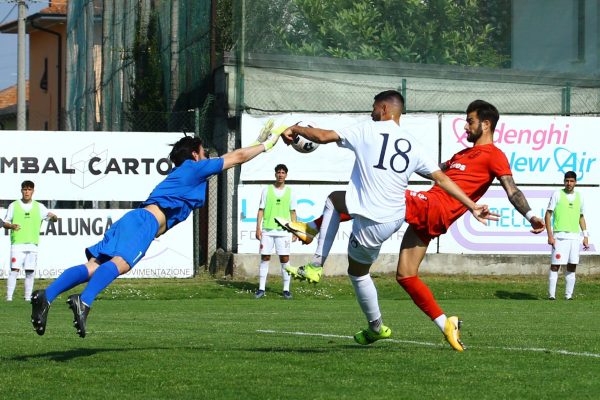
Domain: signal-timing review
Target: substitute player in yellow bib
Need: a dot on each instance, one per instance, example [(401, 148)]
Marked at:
[(564, 218), (24, 218), (276, 201)]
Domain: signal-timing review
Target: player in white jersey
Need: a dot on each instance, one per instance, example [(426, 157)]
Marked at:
[(385, 158)]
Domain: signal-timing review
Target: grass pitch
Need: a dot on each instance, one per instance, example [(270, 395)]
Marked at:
[(210, 339)]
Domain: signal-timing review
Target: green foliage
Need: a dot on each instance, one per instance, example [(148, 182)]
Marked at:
[(418, 31), (224, 26), (147, 106)]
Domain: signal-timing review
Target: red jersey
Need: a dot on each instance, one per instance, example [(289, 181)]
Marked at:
[(473, 169)]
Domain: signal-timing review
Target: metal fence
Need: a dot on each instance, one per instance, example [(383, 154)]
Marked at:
[(136, 64)]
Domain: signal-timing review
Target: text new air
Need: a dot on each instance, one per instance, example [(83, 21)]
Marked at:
[(561, 160)]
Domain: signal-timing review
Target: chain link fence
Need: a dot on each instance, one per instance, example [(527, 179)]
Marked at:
[(326, 89)]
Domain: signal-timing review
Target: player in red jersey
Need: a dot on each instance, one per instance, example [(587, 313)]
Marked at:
[(430, 213)]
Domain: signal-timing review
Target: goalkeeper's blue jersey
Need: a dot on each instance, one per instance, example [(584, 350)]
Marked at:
[(184, 189)]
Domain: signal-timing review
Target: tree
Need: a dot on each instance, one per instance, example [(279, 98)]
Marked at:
[(450, 32), (147, 107)]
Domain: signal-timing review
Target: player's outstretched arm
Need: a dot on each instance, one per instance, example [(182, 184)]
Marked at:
[(480, 212), (240, 156), (443, 166), (316, 135), (518, 200)]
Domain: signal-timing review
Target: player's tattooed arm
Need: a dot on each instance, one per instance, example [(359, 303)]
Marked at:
[(518, 200), (515, 196)]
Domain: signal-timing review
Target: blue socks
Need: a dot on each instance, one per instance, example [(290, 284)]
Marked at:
[(104, 275), (68, 279)]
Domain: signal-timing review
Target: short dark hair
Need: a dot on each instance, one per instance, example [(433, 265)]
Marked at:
[(27, 185), (281, 167), (571, 174), (182, 150), (485, 111), (390, 95)]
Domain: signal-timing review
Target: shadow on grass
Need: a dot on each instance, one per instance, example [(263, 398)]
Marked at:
[(238, 285), (62, 356), (506, 295), (289, 350), (247, 287)]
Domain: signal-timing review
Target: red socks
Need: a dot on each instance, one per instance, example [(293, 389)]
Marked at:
[(421, 295)]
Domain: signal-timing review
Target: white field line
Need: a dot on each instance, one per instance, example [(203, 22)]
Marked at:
[(522, 349)]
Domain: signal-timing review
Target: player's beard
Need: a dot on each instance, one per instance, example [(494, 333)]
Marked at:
[(473, 137)]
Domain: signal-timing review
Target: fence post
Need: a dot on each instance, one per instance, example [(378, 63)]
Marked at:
[(197, 254), (566, 99), (403, 92)]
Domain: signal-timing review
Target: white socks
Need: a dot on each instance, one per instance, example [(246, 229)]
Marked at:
[(552, 279), (11, 283), (263, 271), (285, 277), (366, 294), (441, 322), (327, 233), (29, 277), (569, 284)]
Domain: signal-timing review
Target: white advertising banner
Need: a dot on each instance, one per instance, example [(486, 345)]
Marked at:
[(328, 163), (510, 235), (63, 243), (539, 149), (311, 199), (84, 165)]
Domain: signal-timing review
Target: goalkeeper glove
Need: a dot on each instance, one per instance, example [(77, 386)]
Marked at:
[(273, 137), (264, 132)]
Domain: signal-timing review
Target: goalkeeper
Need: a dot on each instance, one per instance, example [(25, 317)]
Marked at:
[(126, 241)]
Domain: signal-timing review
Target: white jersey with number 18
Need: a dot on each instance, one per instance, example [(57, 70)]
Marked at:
[(386, 157)]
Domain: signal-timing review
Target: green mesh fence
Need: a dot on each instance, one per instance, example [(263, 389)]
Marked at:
[(534, 57), (138, 65), (142, 65)]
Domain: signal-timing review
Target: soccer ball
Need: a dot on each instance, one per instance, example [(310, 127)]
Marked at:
[(302, 144)]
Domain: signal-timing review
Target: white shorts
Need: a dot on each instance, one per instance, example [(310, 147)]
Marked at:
[(565, 251), (368, 236), (281, 244), (26, 260)]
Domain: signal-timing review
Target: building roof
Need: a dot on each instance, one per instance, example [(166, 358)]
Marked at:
[(8, 99), (45, 18), (55, 8)]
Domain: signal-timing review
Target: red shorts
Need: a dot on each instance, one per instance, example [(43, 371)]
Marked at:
[(426, 215)]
